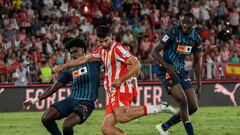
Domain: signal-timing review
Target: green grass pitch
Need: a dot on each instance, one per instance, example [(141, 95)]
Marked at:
[(207, 121)]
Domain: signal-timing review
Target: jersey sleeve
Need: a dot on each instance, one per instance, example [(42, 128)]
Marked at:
[(97, 54), (198, 45), (167, 37), (123, 54), (65, 77)]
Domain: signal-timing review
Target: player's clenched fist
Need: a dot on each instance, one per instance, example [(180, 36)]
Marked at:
[(116, 83), (58, 68), (27, 105)]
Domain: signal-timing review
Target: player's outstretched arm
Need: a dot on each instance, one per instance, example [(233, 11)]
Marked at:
[(159, 58), (134, 65), (76, 62), (198, 70), (48, 92)]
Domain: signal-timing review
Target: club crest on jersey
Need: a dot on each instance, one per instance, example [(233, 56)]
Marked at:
[(165, 38), (184, 49), (80, 72)]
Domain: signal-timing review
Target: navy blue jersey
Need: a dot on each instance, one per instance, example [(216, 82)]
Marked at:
[(178, 46), (85, 80)]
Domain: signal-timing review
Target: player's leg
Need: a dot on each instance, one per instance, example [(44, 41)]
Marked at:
[(57, 111), (48, 120), (123, 112), (109, 122), (181, 99), (177, 87), (69, 123), (190, 94), (82, 109), (108, 126), (192, 100), (192, 107)]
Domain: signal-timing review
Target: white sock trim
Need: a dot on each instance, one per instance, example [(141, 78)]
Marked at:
[(153, 109), (34, 100)]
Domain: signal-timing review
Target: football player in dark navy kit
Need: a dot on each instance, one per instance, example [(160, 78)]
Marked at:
[(78, 106), (178, 42)]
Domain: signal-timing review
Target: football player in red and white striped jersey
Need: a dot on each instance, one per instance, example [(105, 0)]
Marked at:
[(117, 82)]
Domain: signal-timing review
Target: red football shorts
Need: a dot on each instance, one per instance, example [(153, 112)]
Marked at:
[(118, 99)]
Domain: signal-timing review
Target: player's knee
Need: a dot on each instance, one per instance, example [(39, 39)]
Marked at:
[(66, 126), (106, 130), (45, 120), (193, 109), (120, 115)]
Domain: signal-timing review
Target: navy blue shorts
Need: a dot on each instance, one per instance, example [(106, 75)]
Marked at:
[(69, 105), (170, 81)]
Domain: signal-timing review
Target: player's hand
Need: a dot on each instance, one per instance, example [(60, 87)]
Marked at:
[(58, 68), (27, 105), (198, 92), (116, 83)]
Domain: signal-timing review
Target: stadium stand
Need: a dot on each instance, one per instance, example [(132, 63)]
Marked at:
[(33, 31)]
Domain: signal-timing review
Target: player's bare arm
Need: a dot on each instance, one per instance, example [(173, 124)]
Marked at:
[(133, 70), (197, 69), (76, 62), (48, 92), (159, 58)]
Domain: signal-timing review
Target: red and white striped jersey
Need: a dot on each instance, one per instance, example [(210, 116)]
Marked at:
[(114, 61)]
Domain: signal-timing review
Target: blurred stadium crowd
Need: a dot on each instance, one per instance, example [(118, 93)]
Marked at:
[(32, 32)]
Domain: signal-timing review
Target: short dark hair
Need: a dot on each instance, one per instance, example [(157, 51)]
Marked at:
[(189, 18), (75, 42), (103, 31)]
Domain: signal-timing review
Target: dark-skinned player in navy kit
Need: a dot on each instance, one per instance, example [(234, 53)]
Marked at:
[(78, 106), (178, 42)]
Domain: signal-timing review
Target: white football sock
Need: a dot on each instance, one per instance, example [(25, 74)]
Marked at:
[(153, 109)]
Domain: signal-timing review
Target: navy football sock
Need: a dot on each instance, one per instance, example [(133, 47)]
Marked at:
[(68, 132), (189, 128), (172, 121), (53, 128)]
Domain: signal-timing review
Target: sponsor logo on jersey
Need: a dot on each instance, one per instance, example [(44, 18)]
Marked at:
[(184, 49), (79, 72)]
